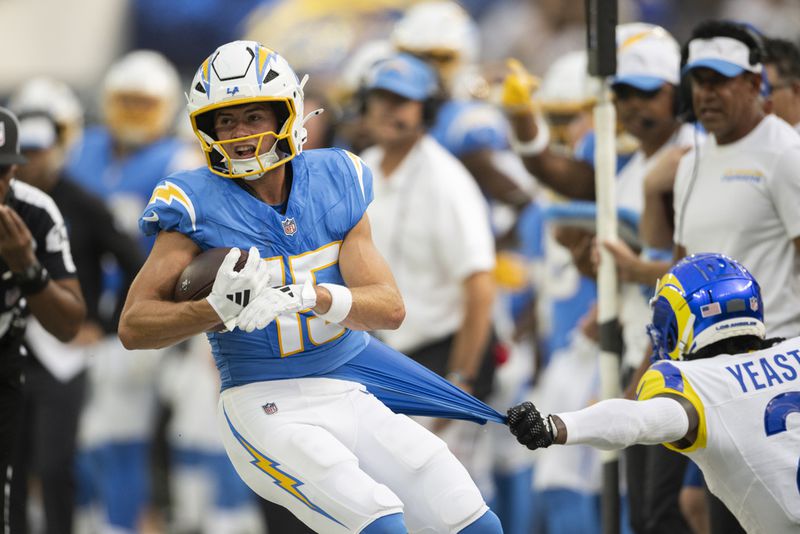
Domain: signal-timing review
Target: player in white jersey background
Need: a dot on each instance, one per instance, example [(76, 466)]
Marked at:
[(728, 406)]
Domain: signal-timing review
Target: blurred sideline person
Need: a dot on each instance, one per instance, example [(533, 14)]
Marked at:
[(442, 34), (351, 132), (431, 224), (782, 66), (44, 93), (121, 161), (728, 407), (206, 494), (55, 371), (749, 159), (645, 89), (38, 280), (298, 422), (565, 481)]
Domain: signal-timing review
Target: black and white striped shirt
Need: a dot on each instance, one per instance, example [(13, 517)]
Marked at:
[(51, 246)]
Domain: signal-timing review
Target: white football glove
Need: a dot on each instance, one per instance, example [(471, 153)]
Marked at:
[(274, 301), (233, 291)]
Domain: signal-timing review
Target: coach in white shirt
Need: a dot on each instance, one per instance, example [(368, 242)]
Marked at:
[(739, 195), (430, 222)]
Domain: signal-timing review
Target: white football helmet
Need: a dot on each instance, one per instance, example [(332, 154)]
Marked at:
[(141, 95), (440, 31), (243, 72), (567, 87), (55, 99)]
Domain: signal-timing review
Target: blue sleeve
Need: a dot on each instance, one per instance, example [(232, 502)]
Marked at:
[(465, 129), (171, 207), (359, 192)]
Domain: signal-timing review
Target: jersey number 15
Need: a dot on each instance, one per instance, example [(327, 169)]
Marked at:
[(292, 326)]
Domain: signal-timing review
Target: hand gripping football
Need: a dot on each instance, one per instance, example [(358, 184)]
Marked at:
[(198, 277)]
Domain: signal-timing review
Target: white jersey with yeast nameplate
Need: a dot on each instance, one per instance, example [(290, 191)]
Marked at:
[(748, 444)]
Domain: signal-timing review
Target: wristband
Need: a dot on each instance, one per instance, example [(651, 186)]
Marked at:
[(32, 280), (535, 146), (341, 302)]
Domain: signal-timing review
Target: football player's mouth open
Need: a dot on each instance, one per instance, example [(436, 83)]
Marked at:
[(244, 150)]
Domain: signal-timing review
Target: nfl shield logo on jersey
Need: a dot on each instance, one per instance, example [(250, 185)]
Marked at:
[(289, 226), (270, 408), (754, 303)]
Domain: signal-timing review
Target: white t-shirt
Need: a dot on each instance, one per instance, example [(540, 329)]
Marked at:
[(634, 313), (745, 203), (748, 439), (431, 223)]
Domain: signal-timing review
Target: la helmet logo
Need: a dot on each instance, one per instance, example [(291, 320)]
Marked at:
[(270, 408), (289, 226), (2, 133)]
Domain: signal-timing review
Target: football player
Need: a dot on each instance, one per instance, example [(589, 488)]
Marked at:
[(722, 395), (298, 423), (443, 34), (121, 161)]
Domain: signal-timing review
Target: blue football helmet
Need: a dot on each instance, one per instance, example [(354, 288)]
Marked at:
[(703, 299)]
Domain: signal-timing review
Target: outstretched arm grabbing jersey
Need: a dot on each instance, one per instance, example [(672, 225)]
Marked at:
[(610, 424), (151, 319)]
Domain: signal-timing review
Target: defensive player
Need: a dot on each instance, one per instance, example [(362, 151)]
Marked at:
[(727, 408), (298, 423)]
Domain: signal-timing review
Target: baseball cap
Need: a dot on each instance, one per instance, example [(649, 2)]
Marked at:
[(403, 75), (725, 55), (37, 132), (9, 139), (647, 57)]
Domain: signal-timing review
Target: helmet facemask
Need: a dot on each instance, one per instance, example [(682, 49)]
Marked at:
[(220, 155)]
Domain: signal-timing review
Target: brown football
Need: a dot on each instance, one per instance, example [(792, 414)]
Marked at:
[(197, 279)]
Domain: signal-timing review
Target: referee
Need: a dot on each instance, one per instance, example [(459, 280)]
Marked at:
[(37, 275)]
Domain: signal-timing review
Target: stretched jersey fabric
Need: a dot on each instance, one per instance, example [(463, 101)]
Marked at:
[(329, 194), (748, 442)]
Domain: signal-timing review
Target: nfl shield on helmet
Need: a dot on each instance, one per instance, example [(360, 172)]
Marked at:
[(245, 72), (703, 299)]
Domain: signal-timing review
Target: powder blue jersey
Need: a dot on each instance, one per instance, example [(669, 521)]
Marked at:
[(330, 192)]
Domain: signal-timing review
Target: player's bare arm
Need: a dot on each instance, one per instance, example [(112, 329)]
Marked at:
[(471, 339), (59, 306), (494, 180), (377, 303), (568, 176), (150, 319)]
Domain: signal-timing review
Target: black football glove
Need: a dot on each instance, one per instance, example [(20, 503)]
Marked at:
[(530, 427)]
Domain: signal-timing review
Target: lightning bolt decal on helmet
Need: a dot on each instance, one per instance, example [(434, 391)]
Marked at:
[(246, 72), (703, 299)]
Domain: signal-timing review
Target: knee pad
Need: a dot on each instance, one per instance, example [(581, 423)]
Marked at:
[(488, 523), (388, 524)]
